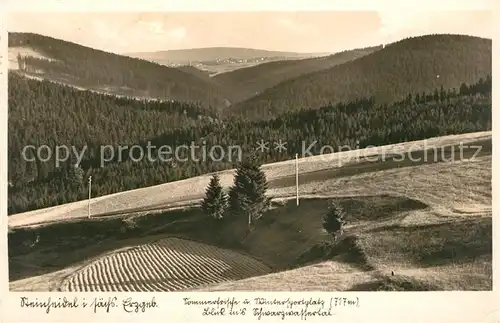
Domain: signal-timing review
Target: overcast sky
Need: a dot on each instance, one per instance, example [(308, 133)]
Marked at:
[(286, 31)]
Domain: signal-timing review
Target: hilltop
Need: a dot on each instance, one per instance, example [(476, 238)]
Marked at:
[(182, 56), (412, 65), (219, 60), (249, 81), (84, 67)]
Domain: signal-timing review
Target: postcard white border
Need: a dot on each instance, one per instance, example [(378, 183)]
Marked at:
[(378, 307)]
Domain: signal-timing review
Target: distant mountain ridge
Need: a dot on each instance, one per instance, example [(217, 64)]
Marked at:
[(215, 53), (412, 65), (219, 60), (249, 81), (84, 67), (415, 64)]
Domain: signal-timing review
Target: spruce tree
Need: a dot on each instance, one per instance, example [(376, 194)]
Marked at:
[(248, 194), (215, 202), (234, 203), (333, 220), (74, 175)]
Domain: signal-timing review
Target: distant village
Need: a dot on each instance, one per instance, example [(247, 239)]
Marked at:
[(253, 60)]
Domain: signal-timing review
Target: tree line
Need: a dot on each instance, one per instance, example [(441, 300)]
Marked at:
[(247, 200), (246, 82)]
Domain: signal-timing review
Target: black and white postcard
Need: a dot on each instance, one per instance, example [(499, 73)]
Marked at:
[(248, 161)]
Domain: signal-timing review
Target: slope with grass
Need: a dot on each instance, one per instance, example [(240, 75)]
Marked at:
[(427, 239), (411, 65), (85, 67), (186, 191), (429, 223), (251, 81)]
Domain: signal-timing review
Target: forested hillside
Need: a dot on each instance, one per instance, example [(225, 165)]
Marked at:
[(412, 65), (89, 68), (249, 81), (47, 113), (227, 89)]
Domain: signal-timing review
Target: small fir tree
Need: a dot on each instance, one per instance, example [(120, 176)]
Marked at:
[(248, 194), (215, 202), (333, 220)]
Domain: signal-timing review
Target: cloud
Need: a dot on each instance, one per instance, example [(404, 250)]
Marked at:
[(177, 34), (394, 23), (103, 30), (285, 22), (294, 25), (156, 27), (153, 27)]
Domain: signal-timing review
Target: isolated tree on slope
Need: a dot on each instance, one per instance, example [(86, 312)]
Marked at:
[(75, 175), (248, 194), (215, 202), (333, 220)]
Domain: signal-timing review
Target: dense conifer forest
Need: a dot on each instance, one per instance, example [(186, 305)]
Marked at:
[(51, 114), (246, 82), (268, 90), (94, 69), (408, 66)]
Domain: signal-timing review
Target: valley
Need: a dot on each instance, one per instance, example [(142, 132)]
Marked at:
[(400, 136)]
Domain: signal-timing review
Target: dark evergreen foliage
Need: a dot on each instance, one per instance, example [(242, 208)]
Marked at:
[(414, 65), (75, 175), (216, 201), (248, 194), (246, 82), (86, 67), (333, 220)]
